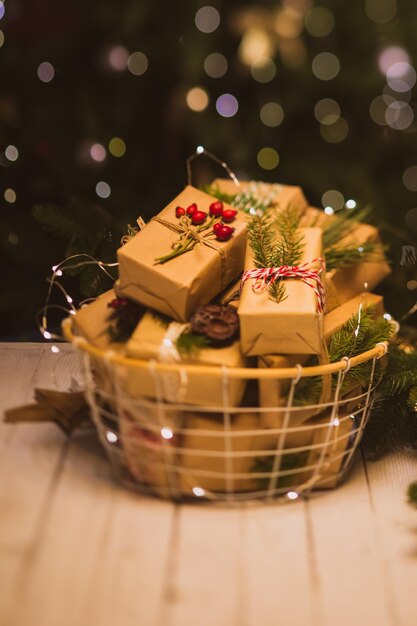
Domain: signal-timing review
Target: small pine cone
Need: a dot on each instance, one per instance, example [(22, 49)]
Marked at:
[(218, 322)]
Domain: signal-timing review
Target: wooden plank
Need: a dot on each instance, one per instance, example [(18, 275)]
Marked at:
[(75, 548), (395, 530), (101, 554), (206, 582), (352, 588), (279, 572), (30, 456)]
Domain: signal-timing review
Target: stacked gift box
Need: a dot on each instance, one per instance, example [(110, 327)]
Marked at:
[(235, 277)]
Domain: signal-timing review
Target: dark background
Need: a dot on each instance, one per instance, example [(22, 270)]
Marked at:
[(99, 91)]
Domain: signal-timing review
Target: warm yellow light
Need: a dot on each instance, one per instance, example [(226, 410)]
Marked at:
[(268, 158), (117, 147), (197, 99)]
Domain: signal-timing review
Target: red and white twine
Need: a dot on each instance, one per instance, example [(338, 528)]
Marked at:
[(265, 276)]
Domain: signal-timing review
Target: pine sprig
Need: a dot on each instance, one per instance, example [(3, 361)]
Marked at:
[(189, 343), (412, 494), (341, 225), (354, 338), (339, 257), (393, 421), (214, 190), (275, 241)]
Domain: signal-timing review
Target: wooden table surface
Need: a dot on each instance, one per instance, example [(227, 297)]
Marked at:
[(76, 549)]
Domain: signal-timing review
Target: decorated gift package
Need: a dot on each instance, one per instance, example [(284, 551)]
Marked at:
[(277, 196), (273, 393), (219, 283), (184, 256), (210, 339), (285, 316)]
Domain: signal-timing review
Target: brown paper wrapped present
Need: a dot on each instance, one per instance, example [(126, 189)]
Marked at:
[(279, 196), (292, 326), (155, 339), (93, 320), (273, 393), (178, 286), (344, 283)]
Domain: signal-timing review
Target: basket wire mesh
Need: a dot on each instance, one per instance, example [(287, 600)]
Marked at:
[(226, 453)]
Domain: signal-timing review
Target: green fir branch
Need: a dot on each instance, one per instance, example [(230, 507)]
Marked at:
[(191, 343), (338, 257), (289, 461), (263, 230), (355, 337), (214, 191), (412, 494)]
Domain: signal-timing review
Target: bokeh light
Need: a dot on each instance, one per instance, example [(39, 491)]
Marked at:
[(288, 23), (378, 107), (1, 38), (207, 19), (325, 66), (335, 133), (117, 147), (227, 105), (98, 152), (137, 63), (215, 65), (399, 115), (2, 9), (11, 153), (268, 158), (411, 285), (13, 239), (271, 114), (333, 199), (319, 22), (103, 189), (10, 196), (255, 44), (263, 70), (46, 72), (411, 219), (391, 55), (410, 178), (381, 11), (197, 99), (118, 57), (327, 111), (401, 77)]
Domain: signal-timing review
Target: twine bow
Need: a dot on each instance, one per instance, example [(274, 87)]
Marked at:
[(186, 232), (264, 276)]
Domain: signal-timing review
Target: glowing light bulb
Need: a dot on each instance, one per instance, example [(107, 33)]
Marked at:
[(111, 437), (292, 495), (166, 433), (198, 491), (55, 349)]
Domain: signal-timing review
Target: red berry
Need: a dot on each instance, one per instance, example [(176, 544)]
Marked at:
[(216, 208), (198, 217), (229, 215), (223, 232), (179, 211), (191, 209)]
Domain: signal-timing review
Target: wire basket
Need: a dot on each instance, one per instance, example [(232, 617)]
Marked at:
[(161, 444)]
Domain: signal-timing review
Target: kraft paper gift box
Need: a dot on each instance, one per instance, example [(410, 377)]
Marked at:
[(149, 341), (273, 393), (151, 458), (198, 455), (351, 281), (93, 320), (342, 284), (178, 286), (280, 196), (217, 462), (292, 326), (231, 295)]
